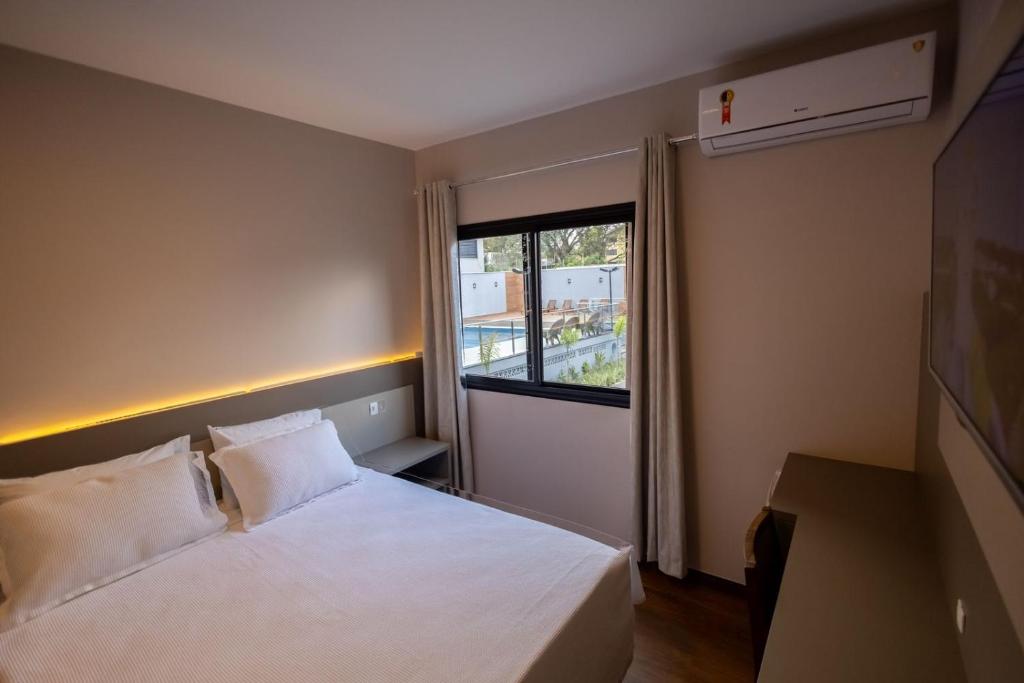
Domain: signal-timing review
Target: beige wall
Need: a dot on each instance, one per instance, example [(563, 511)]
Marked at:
[(988, 31), (574, 470), (805, 266), (155, 245)]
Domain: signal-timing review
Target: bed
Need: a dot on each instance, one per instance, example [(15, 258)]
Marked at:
[(380, 580)]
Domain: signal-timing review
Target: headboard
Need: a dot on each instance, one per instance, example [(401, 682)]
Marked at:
[(112, 439)]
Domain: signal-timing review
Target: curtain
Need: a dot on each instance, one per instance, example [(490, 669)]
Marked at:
[(445, 410), (655, 364)]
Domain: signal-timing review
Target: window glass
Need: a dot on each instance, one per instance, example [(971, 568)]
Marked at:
[(494, 307), (583, 305)]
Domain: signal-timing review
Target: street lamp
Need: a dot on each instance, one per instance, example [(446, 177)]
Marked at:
[(611, 306)]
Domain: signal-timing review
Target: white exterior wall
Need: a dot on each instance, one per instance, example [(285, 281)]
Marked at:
[(487, 297), (588, 282)]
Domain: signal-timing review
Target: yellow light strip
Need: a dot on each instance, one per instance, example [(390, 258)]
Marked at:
[(192, 399)]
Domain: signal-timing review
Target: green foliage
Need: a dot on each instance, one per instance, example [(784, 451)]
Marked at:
[(489, 351), (587, 246), (570, 336), (619, 327), (602, 374), (503, 253)]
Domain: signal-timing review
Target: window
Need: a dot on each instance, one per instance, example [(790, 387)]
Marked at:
[(544, 304)]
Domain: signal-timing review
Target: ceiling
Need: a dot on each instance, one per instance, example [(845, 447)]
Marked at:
[(415, 73)]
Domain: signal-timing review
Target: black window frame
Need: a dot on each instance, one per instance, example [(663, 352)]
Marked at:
[(531, 227)]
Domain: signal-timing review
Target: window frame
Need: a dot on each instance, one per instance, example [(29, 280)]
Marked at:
[(532, 226)]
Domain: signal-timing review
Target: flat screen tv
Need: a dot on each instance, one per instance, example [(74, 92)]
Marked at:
[(976, 349)]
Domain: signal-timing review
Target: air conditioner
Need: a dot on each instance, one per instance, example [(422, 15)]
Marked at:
[(883, 85)]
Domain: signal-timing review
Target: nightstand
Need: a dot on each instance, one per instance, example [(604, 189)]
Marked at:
[(423, 461)]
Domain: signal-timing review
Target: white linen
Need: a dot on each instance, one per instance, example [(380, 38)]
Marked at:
[(59, 544), (273, 475), (383, 580), (26, 486), (235, 435), (14, 489)]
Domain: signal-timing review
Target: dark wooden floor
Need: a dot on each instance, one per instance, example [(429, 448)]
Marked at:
[(694, 630)]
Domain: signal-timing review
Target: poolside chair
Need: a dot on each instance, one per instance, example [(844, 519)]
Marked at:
[(584, 303), (572, 322), (566, 305), (594, 322), (551, 307), (552, 334)]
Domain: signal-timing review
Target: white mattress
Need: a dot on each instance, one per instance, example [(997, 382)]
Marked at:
[(383, 580)]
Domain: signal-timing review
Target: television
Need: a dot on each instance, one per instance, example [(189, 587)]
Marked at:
[(976, 321)]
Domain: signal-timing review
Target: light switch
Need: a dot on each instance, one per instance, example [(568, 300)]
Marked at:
[(374, 408)]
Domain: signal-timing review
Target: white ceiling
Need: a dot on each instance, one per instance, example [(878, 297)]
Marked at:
[(414, 73)]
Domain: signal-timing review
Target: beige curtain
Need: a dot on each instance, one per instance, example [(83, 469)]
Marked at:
[(445, 408), (655, 370)]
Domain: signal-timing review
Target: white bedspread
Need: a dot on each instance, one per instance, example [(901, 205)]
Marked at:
[(381, 581)]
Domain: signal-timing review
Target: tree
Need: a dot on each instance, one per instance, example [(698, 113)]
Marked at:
[(489, 351), (570, 337), (503, 253), (591, 245), (619, 327), (586, 246)]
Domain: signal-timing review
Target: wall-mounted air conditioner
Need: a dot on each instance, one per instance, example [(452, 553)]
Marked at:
[(883, 85)]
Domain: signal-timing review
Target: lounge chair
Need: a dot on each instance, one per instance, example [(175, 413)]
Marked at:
[(566, 305), (552, 334), (551, 307), (584, 303), (572, 322), (594, 323)]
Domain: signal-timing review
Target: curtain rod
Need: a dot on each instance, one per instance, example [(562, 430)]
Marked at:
[(566, 162)]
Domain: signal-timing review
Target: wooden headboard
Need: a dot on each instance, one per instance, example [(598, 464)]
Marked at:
[(112, 439)]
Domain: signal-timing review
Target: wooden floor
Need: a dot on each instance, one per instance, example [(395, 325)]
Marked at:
[(691, 630)]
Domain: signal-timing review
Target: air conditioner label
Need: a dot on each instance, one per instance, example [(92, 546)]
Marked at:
[(726, 99)]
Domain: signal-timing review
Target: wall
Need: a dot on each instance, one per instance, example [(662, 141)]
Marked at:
[(980, 529), (156, 246), (482, 294), (587, 282), (804, 270), (560, 458), (989, 646)]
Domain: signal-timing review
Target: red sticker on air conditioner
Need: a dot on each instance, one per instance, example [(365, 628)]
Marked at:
[(726, 99)]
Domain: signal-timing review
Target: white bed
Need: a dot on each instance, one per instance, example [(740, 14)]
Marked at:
[(382, 580)]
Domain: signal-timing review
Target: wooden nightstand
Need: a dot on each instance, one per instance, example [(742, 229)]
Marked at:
[(423, 461)]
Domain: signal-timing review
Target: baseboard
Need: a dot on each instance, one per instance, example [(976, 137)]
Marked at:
[(697, 576)]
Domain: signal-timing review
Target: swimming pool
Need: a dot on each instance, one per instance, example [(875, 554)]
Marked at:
[(472, 334)]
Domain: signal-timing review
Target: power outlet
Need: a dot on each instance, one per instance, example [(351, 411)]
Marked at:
[(961, 616), (375, 408)]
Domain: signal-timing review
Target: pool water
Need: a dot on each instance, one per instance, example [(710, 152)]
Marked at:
[(472, 334)]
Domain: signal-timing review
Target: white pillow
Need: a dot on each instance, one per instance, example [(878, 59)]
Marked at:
[(27, 486), (61, 543), (276, 474), (236, 435)]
